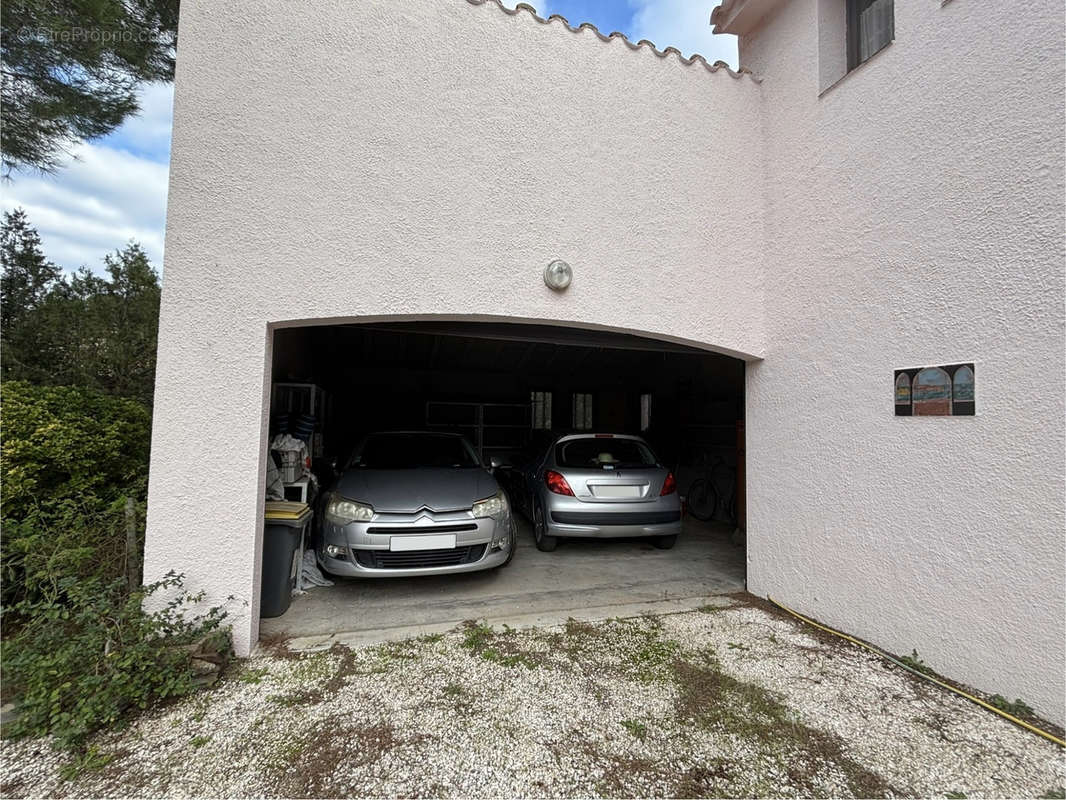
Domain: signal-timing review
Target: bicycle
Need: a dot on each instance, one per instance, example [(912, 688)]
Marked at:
[(714, 489)]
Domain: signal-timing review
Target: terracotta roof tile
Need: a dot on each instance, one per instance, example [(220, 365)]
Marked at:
[(695, 59)]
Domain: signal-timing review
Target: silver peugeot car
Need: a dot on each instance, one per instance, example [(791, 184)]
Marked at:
[(414, 503), (601, 485)]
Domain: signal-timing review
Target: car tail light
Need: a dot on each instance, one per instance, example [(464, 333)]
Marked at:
[(669, 485), (557, 483)]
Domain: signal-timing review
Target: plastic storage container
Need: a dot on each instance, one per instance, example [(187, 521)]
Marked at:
[(283, 535)]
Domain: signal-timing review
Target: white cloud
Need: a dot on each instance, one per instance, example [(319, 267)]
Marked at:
[(149, 131), (109, 192), (684, 24)]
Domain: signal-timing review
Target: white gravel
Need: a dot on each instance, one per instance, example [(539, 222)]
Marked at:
[(540, 712)]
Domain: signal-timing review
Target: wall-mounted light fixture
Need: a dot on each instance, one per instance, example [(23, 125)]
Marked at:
[(557, 275)]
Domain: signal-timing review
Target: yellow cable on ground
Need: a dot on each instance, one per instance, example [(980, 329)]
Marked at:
[(930, 678)]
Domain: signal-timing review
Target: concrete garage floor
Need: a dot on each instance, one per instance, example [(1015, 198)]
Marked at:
[(585, 579)]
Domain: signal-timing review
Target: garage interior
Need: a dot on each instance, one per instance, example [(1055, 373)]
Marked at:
[(499, 383)]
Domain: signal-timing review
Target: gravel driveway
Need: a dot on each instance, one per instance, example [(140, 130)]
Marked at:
[(731, 700)]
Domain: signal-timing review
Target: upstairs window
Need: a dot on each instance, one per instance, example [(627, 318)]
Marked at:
[(870, 28)]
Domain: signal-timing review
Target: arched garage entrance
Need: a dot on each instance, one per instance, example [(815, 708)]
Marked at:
[(503, 385)]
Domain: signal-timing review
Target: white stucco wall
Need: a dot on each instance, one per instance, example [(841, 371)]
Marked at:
[(915, 216), (353, 160), (338, 160)]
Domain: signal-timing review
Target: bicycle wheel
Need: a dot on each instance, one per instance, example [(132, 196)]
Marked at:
[(701, 499)]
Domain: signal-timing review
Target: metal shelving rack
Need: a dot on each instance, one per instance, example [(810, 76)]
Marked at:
[(489, 426)]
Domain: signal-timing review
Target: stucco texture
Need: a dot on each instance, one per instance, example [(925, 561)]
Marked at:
[(347, 161), (343, 161), (914, 215)]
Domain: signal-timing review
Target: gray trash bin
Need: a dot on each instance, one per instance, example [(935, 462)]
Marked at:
[(283, 531)]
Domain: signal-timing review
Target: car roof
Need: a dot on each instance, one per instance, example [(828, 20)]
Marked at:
[(596, 435)]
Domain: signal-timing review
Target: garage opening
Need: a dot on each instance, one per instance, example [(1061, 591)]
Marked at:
[(509, 389)]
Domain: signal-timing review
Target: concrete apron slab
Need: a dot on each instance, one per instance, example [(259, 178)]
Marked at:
[(532, 620), (585, 580)]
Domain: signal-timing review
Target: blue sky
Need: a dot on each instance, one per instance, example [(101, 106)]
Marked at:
[(114, 189)]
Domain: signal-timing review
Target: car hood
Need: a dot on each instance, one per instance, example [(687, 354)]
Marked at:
[(409, 490)]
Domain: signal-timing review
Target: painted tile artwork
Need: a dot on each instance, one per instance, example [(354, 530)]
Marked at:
[(942, 391)]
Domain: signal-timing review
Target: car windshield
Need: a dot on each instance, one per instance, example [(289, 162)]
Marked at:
[(411, 450), (603, 453)]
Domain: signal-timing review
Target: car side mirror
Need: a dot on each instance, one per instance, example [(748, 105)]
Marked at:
[(497, 463)]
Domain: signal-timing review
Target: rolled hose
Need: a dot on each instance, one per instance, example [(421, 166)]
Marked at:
[(1019, 722)]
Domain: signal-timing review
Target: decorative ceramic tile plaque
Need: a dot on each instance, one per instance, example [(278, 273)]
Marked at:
[(941, 391)]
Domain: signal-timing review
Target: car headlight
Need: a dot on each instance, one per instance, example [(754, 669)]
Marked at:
[(341, 511), (490, 506)]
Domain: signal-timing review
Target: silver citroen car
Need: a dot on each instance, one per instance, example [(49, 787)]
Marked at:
[(601, 485), (414, 503)]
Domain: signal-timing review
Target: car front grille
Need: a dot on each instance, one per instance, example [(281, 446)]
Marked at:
[(419, 559), (465, 526)]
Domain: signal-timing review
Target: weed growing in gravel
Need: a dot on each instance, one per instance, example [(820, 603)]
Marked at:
[(499, 648), (287, 700), (713, 609), (651, 621), (453, 690), (637, 729), (1054, 794), (309, 772), (621, 775), (91, 760), (651, 659), (1003, 704), (199, 741), (311, 667), (576, 627), (634, 646), (477, 635), (707, 780), (916, 663), (713, 699), (253, 675)]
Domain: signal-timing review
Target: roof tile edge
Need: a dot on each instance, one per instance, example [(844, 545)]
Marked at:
[(695, 59), (719, 14)]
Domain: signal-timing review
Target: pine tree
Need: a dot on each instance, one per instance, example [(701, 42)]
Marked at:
[(88, 330), (71, 70), (27, 275)]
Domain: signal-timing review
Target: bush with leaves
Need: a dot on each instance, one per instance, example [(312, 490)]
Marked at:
[(68, 460), (81, 663)]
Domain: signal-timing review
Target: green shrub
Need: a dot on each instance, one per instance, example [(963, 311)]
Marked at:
[(80, 649), (64, 442), (80, 664), (68, 460)]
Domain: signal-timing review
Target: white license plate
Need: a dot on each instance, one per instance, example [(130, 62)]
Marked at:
[(616, 491), (440, 541)]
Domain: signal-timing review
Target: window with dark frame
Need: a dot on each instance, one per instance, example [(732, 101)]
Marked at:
[(645, 412), (581, 410), (541, 407), (870, 28)]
